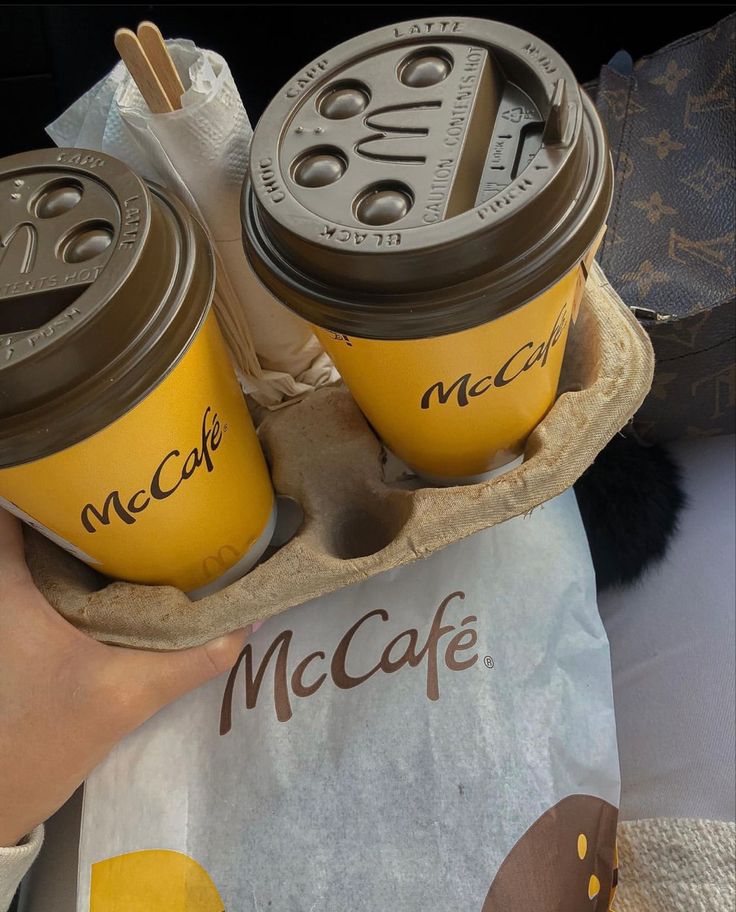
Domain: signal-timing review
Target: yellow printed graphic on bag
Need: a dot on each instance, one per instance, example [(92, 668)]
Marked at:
[(158, 880)]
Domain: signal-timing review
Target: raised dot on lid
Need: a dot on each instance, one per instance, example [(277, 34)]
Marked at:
[(57, 199), (382, 204), (86, 242), (319, 168), (425, 68), (343, 100)]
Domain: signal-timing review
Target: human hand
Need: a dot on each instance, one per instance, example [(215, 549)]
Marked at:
[(65, 699)]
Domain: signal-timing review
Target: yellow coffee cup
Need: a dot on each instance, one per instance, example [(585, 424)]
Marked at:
[(429, 197), (461, 405), (124, 436)]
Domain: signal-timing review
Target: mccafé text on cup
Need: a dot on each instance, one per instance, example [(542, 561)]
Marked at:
[(429, 196), (124, 436)]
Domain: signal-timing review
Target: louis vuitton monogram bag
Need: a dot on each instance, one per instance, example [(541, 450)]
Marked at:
[(669, 249)]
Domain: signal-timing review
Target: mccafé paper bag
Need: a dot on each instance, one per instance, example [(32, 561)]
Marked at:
[(438, 737)]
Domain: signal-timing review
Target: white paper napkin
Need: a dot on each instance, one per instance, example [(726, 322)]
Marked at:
[(200, 153)]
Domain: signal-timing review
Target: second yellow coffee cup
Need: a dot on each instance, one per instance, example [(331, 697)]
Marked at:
[(428, 197)]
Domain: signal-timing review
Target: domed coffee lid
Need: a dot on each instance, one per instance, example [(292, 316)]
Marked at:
[(103, 282), (418, 166)]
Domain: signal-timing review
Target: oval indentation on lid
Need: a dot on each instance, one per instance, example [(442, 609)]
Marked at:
[(383, 203), (57, 198), (86, 241), (425, 67), (319, 167), (344, 99)]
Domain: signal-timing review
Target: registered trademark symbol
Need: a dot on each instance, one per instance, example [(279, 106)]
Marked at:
[(488, 661), (224, 428)]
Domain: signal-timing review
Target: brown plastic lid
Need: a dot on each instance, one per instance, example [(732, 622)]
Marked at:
[(425, 178), (104, 281)]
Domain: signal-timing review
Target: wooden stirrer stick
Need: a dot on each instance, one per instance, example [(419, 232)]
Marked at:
[(158, 55), (139, 67)]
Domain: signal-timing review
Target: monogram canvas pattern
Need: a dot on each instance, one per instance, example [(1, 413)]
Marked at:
[(669, 250)]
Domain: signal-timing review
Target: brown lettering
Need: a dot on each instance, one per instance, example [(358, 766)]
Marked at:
[(210, 437), (409, 656), (156, 490), (253, 684), (501, 378), (461, 642), (297, 679), (338, 670), (133, 507), (443, 396), (103, 516), (477, 390), (405, 644), (436, 632)]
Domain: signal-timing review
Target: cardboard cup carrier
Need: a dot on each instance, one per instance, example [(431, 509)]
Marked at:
[(123, 433), (429, 196), (425, 199)]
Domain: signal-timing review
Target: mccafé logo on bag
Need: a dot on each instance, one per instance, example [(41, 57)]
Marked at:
[(170, 473), (521, 361), (345, 669)]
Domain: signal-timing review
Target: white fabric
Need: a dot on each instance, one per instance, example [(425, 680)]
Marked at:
[(51, 885), (14, 862), (672, 648), (200, 153), (676, 866)]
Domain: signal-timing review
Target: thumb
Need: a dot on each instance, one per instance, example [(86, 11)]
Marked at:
[(146, 681)]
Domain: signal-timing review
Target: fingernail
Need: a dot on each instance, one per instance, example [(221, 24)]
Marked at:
[(256, 625)]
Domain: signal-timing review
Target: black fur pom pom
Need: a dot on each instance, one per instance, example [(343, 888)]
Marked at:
[(630, 500)]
